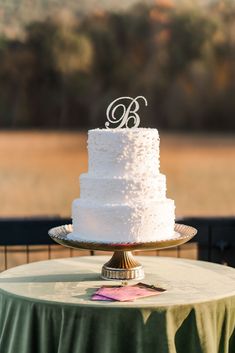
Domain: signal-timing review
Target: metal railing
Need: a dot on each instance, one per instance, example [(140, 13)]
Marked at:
[(215, 240)]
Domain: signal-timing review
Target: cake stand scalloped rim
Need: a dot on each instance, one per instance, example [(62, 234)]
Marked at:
[(60, 235)]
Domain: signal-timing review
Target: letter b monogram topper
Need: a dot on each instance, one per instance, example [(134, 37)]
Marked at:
[(120, 114)]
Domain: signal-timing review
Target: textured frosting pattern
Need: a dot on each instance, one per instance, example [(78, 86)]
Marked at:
[(123, 223), (122, 190), (123, 195), (120, 152)]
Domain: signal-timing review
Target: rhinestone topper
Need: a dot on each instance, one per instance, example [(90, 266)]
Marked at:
[(123, 110)]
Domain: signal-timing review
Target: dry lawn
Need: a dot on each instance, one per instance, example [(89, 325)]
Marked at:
[(39, 172)]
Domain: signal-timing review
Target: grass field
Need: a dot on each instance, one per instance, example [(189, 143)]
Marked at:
[(39, 172)]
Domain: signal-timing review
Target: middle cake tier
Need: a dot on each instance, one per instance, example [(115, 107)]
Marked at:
[(122, 189)]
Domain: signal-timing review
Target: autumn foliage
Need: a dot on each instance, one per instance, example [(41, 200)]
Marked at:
[(64, 71)]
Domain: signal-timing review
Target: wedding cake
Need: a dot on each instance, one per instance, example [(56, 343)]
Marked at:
[(123, 195)]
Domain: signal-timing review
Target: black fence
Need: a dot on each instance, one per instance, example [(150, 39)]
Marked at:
[(215, 238)]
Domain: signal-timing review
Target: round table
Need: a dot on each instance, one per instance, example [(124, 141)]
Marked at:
[(45, 307)]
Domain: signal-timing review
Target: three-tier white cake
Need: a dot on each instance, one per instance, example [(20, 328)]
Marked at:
[(123, 195)]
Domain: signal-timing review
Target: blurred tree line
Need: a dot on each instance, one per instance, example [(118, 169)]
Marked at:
[(65, 71)]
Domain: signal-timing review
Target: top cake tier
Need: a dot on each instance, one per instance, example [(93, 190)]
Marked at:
[(121, 152)]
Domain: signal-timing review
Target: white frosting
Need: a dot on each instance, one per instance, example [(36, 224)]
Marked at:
[(122, 190), (123, 223), (123, 152), (123, 195)]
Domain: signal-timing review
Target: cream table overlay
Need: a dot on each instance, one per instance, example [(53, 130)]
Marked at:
[(73, 280)]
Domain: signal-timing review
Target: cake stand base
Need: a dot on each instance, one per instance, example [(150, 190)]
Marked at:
[(122, 266)]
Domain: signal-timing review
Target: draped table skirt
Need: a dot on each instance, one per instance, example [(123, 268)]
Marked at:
[(45, 307)]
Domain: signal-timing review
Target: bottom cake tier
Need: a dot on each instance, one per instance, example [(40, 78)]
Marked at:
[(122, 223)]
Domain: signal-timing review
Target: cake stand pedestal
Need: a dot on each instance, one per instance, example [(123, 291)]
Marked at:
[(122, 265)]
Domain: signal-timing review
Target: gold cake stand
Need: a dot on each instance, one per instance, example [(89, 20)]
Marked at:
[(122, 265)]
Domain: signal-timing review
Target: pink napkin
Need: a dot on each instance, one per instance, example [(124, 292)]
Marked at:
[(126, 293)]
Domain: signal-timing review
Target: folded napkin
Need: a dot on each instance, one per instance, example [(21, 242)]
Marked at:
[(126, 293)]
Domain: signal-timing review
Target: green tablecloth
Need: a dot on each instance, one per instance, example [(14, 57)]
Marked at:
[(45, 307)]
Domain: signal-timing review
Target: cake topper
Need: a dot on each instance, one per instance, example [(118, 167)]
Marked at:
[(128, 112)]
